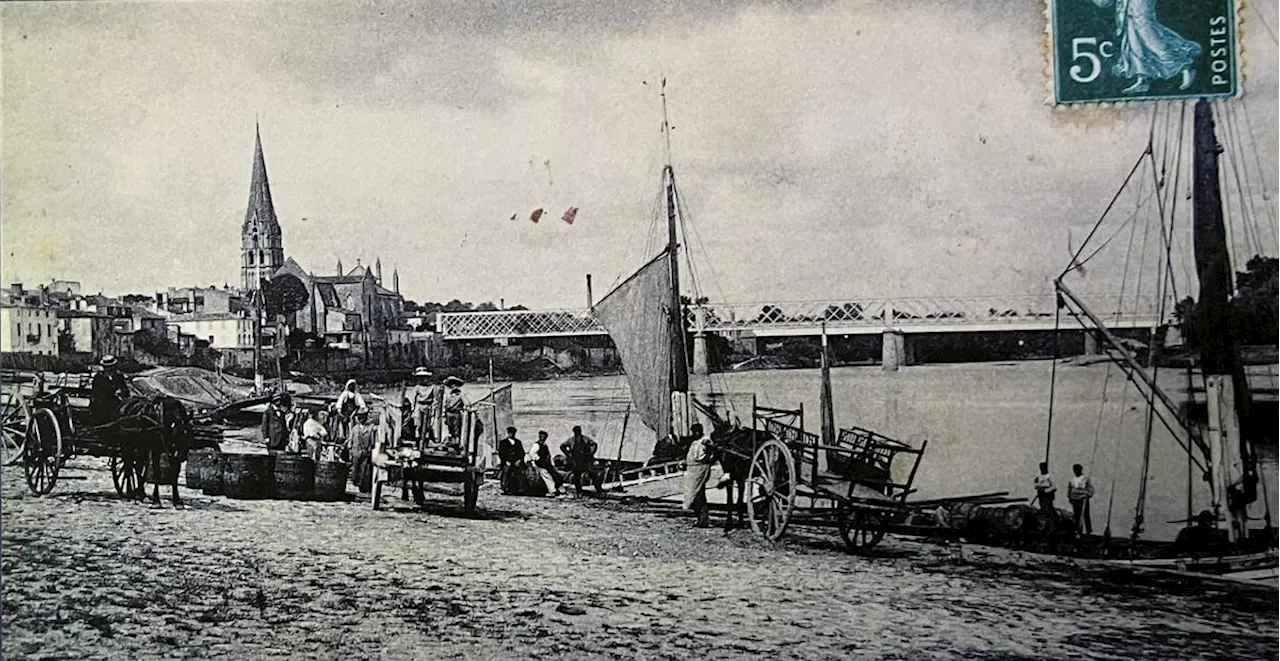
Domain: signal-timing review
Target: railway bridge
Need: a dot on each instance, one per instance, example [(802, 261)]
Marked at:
[(892, 318)]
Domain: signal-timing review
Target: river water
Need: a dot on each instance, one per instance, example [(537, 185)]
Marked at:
[(985, 424)]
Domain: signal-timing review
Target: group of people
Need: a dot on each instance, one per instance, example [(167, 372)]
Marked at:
[(536, 472), (1079, 493), (341, 432), (421, 402)]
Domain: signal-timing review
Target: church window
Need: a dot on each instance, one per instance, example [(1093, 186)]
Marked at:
[(250, 259)]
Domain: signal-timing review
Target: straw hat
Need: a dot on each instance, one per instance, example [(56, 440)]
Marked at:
[(108, 361), (453, 381), (422, 371)]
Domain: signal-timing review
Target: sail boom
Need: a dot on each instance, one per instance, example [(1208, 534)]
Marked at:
[(1181, 430)]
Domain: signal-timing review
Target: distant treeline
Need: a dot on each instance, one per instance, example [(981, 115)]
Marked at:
[(1255, 313)]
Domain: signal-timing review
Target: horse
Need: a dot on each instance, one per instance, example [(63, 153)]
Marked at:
[(149, 428), (736, 447)]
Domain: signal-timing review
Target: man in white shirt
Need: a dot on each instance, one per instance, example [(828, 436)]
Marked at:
[(1079, 493), (1045, 490)]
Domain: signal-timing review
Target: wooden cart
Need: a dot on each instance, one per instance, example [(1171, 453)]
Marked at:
[(794, 477), (50, 424), (429, 467)]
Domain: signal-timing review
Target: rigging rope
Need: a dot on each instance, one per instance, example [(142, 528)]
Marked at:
[(1074, 264), (1253, 141)]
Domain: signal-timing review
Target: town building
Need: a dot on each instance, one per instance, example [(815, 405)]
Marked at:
[(28, 329), (198, 300), (222, 330)]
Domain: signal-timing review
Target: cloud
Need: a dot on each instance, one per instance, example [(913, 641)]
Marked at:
[(825, 150)]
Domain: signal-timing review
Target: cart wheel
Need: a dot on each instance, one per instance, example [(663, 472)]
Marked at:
[(861, 529), (470, 493), (126, 474), (42, 456), (771, 490), (16, 418)]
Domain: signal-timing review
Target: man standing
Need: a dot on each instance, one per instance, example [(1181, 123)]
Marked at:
[(348, 403), (454, 405), (314, 434), (277, 420), (1045, 490), (580, 451), (698, 462), (1080, 492), (360, 442), (423, 399), (510, 454), (107, 390)]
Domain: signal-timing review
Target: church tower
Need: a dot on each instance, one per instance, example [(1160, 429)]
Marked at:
[(261, 244)]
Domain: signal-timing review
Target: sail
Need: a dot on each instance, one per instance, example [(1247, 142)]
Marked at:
[(496, 413), (636, 316)]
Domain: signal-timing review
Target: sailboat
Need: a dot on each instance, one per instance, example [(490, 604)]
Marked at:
[(1221, 542), (644, 316)]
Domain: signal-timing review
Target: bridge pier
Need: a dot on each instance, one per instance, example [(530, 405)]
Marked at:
[(893, 353), (701, 366), (1091, 344)]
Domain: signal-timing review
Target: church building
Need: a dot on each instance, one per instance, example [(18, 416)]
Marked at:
[(261, 242)]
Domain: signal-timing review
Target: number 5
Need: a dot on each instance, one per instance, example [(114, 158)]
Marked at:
[(1094, 62)]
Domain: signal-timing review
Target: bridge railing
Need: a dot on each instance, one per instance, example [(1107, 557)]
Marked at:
[(1012, 311)]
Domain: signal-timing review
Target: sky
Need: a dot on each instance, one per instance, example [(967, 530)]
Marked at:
[(824, 150)]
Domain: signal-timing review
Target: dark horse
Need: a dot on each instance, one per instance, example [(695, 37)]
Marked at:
[(148, 429), (736, 446)]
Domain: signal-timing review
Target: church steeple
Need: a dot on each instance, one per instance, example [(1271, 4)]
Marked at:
[(340, 269), (395, 280), (261, 242), (377, 270)]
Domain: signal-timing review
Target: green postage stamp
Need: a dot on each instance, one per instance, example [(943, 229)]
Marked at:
[(1130, 50)]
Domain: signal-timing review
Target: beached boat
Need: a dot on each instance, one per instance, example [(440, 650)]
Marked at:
[(1221, 427)]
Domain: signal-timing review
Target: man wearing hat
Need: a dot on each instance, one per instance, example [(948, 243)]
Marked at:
[(107, 390), (423, 397), (510, 454), (454, 404)]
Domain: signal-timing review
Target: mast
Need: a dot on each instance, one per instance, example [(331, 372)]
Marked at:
[(679, 361), (828, 413), (1231, 470)]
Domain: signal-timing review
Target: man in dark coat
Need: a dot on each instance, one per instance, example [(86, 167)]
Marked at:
[(107, 390), (276, 422), (580, 451), (510, 456)]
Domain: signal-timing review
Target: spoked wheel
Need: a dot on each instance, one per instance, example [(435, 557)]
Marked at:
[(771, 489), (42, 456), (126, 474), (861, 529), (16, 418)]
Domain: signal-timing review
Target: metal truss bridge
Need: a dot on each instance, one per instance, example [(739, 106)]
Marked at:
[(862, 317)]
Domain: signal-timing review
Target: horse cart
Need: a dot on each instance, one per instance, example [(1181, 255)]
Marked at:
[(859, 482), (47, 424)]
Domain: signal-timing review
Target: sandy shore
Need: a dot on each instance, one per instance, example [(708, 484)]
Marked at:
[(87, 576)]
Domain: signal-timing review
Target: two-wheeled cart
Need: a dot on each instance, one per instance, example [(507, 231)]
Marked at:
[(860, 482)]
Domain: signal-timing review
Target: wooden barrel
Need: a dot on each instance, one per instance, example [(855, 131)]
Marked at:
[(211, 482), (331, 480), (295, 476), (1016, 517), (201, 465), (964, 516), (247, 476)]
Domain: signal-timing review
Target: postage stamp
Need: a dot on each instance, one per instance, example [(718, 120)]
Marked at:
[(1131, 50)]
